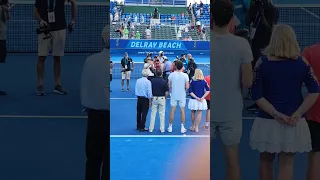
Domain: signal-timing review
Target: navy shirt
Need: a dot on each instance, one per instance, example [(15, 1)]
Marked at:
[(198, 88), (159, 86), (280, 83), (58, 7)]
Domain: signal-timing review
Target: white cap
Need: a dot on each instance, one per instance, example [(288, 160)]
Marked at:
[(160, 52), (105, 33)]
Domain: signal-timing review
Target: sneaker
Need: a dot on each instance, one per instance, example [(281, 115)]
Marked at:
[(3, 93), (40, 91), (59, 90), (170, 129), (196, 129), (192, 128), (183, 130), (253, 107), (162, 131), (206, 127)]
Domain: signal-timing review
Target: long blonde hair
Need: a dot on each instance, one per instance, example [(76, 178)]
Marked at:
[(198, 75), (283, 43)]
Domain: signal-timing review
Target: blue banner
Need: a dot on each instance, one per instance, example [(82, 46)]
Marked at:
[(162, 45), (170, 47)]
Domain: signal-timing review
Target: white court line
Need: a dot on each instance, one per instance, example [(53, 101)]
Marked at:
[(311, 13), (128, 98), (69, 117), (43, 117), (159, 136), (297, 5)]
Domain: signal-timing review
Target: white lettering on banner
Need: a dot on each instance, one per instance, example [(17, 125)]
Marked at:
[(156, 45)]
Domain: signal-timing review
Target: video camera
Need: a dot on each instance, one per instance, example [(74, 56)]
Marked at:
[(45, 30)]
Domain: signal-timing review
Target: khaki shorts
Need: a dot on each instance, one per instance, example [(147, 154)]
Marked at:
[(126, 75), (230, 131), (56, 43)]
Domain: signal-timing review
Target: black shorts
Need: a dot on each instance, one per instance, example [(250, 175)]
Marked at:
[(110, 77), (208, 104), (315, 135), (3, 51)]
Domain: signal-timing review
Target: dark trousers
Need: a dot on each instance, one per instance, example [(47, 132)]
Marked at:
[(97, 145), (3, 51), (142, 112)]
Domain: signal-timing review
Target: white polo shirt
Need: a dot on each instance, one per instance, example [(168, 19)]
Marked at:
[(95, 81)]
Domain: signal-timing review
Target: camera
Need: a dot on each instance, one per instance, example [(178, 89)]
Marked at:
[(261, 2), (149, 54), (46, 31)]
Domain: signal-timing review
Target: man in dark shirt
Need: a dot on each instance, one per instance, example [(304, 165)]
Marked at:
[(192, 66), (126, 62), (160, 91), (261, 17), (51, 17)]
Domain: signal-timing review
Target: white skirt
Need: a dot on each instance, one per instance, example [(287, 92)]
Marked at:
[(269, 135), (196, 105)]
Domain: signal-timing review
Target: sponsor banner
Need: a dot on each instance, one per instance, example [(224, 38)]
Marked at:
[(169, 46)]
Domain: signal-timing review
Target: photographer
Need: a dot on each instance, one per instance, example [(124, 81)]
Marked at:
[(52, 33), (148, 64), (126, 63), (191, 67), (4, 17), (184, 61), (261, 18), (161, 55)]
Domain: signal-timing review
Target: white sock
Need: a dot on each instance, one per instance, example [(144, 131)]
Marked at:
[(182, 125), (170, 125), (207, 123)]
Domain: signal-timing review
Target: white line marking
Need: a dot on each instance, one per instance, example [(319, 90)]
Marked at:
[(297, 5), (159, 136), (129, 98), (43, 117), (311, 13)]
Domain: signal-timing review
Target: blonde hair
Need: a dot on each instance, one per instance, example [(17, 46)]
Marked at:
[(283, 43), (198, 75)]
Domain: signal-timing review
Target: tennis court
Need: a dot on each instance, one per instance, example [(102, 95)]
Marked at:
[(306, 22), (44, 137)]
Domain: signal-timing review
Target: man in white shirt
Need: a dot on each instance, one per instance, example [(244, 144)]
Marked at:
[(148, 33), (178, 82), (95, 97)]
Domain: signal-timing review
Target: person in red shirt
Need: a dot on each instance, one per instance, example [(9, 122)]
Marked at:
[(206, 127), (312, 54)]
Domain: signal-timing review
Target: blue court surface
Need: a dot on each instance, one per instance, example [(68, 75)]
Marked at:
[(41, 137)]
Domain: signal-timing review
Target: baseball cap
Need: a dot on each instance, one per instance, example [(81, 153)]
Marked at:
[(160, 52)]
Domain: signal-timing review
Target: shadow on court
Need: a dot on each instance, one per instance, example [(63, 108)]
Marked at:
[(41, 147)]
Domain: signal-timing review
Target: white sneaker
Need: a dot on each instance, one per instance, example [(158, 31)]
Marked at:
[(183, 130), (170, 129)]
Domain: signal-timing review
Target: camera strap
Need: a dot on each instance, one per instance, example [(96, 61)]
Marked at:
[(254, 26), (53, 6), (51, 15)]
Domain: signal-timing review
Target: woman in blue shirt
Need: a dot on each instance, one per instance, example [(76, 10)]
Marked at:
[(198, 90), (280, 126)]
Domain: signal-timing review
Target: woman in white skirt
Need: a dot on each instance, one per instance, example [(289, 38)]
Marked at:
[(198, 90), (280, 127)]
